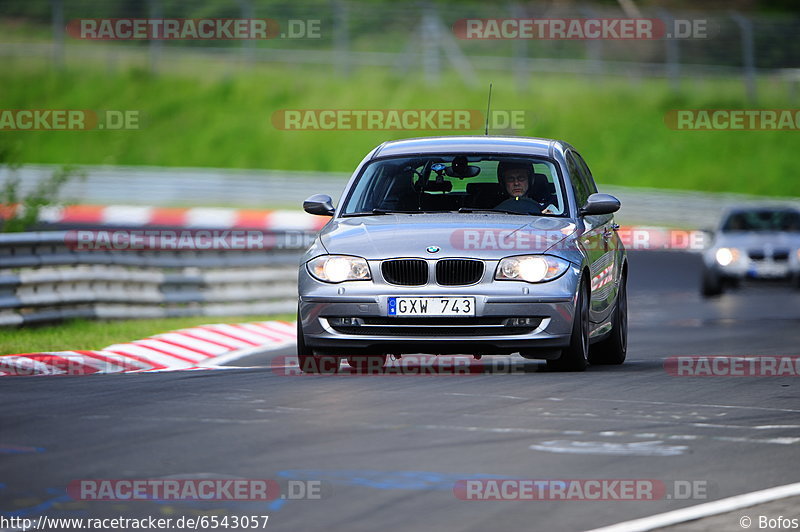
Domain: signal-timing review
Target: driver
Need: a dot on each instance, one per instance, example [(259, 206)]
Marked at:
[(516, 177)]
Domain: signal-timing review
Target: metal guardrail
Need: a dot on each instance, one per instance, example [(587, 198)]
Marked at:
[(43, 279), (158, 186), (687, 209), (279, 188)]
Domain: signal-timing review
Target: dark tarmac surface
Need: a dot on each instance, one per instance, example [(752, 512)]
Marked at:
[(388, 450)]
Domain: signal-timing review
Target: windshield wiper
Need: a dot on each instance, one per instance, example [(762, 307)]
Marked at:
[(470, 209), (382, 211), (390, 211)]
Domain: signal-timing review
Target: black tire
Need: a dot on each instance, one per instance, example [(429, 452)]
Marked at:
[(321, 364), (575, 356), (612, 350), (367, 363), (308, 361), (712, 284)]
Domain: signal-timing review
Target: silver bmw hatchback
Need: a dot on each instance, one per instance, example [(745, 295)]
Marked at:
[(753, 244), (473, 245)]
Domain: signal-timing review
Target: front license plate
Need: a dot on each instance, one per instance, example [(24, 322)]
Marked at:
[(770, 271), (431, 306)]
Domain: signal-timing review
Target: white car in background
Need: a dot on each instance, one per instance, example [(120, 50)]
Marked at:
[(753, 244)]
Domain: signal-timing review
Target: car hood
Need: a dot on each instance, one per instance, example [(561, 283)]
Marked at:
[(487, 236)]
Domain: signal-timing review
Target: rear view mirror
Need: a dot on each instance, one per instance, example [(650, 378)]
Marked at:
[(597, 204), (461, 168), (319, 204), (438, 186)]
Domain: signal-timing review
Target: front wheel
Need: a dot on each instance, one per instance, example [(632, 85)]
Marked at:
[(612, 350), (308, 361), (712, 284), (575, 357)]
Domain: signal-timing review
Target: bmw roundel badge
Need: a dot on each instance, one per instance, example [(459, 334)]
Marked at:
[(432, 249)]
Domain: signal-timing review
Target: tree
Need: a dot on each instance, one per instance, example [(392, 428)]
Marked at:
[(18, 211)]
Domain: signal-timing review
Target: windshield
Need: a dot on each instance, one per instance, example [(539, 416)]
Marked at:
[(458, 183), (763, 220)]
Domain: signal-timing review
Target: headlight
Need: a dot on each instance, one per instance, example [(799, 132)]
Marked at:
[(338, 268), (530, 268), (726, 256)]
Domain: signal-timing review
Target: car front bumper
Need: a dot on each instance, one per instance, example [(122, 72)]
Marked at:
[(750, 270), (548, 306)]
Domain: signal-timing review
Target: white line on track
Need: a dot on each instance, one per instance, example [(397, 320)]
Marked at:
[(612, 434), (704, 510), (756, 427), (650, 403), (687, 404), (488, 395)]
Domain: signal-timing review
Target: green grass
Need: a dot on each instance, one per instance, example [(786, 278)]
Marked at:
[(93, 335), (215, 114)]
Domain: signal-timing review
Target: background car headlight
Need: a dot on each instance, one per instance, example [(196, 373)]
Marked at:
[(726, 256), (338, 268), (530, 268)]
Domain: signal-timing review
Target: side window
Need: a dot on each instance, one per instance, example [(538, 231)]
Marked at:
[(578, 180), (587, 175), (370, 189)]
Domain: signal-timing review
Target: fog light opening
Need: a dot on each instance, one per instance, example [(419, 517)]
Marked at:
[(344, 321), (522, 322)]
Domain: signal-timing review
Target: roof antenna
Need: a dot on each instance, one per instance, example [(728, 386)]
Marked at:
[(488, 106)]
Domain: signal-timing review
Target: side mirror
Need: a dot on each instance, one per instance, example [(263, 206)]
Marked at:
[(708, 235), (597, 204), (319, 204)]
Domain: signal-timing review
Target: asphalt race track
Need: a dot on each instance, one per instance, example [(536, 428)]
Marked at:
[(389, 449)]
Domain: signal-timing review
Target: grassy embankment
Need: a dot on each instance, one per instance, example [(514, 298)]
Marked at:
[(216, 115)]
